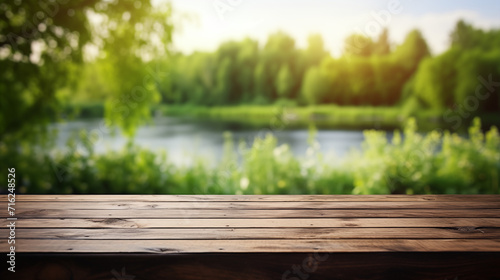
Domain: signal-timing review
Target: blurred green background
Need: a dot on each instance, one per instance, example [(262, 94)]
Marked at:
[(428, 120)]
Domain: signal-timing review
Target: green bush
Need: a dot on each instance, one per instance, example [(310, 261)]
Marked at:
[(435, 163), (409, 163)]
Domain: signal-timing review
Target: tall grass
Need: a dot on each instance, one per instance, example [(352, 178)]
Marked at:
[(409, 163)]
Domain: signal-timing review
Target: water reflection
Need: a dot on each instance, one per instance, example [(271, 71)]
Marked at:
[(185, 139)]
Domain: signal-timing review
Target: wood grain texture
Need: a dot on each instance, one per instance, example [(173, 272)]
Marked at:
[(254, 223), (254, 237), (254, 205), (254, 214), (245, 234)]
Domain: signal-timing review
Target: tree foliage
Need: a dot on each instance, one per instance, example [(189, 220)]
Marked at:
[(42, 42), (369, 72), (465, 76), (46, 62)]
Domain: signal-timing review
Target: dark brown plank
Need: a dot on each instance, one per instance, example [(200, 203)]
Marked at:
[(263, 223), (254, 246), (255, 233), (240, 213)]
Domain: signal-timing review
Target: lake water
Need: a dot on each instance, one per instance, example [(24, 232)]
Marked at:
[(185, 139)]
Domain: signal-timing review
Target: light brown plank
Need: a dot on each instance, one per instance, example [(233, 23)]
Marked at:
[(204, 198), (256, 233), (253, 246), (139, 205), (263, 223), (237, 213)]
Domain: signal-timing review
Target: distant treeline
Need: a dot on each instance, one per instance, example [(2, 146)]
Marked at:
[(370, 72), (457, 84)]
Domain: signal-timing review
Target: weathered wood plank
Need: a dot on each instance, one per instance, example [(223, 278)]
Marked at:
[(257, 205), (246, 234), (255, 224), (244, 213), (254, 246), (263, 223), (281, 198)]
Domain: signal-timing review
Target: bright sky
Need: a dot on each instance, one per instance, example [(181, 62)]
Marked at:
[(334, 20)]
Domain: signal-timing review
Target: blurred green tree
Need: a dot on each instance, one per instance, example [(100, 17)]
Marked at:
[(246, 62), (279, 50), (284, 82), (315, 51), (383, 45), (358, 45), (42, 44), (411, 52), (452, 78), (315, 86)]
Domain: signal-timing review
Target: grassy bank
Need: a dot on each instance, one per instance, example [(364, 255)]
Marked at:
[(326, 116), (438, 163), (283, 117)]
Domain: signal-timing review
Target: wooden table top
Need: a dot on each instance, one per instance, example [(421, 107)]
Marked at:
[(165, 224)]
